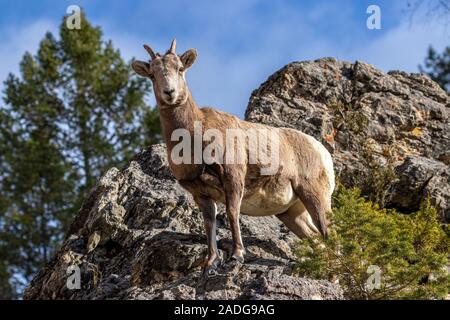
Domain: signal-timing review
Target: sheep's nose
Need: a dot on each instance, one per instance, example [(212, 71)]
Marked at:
[(169, 92)]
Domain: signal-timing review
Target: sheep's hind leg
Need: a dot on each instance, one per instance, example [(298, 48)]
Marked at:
[(298, 220), (234, 190), (316, 202)]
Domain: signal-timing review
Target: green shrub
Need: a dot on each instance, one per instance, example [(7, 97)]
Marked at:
[(410, 251), (349, 116), (377, 178)]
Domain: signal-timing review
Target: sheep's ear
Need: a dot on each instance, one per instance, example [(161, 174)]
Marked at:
[(141, 68), (188, 58)]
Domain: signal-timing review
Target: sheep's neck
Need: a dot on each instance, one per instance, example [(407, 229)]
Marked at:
[(180, 116)]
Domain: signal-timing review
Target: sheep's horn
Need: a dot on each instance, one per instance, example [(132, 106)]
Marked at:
[(173, 46), (150, 51)]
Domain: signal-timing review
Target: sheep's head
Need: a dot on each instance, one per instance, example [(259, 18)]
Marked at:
[(167, 73)]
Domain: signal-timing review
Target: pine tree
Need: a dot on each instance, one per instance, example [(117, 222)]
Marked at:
[(76, 110), (437, 67), (379, 253), (104, 102)]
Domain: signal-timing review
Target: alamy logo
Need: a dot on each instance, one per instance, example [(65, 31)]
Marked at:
[(262, 145), (374, 280), (74, 277), (73, 21), (374, 20)]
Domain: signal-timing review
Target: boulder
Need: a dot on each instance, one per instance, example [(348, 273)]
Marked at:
[(139, 235), (377, 126)]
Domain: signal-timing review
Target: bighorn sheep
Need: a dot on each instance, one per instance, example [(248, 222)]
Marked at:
[(298, 193)]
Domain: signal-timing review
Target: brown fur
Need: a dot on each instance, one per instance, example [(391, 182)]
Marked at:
[(299, 193)]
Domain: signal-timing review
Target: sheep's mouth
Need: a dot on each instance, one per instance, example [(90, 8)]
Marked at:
[(169, 99)]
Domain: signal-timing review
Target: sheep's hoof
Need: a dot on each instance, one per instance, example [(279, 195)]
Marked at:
[(239, 257), (238, 254), (211, 268)]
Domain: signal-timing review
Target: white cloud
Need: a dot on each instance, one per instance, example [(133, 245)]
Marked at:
[(227, 70), (16, 40), (403, 47), (238, 49), (233, 63)]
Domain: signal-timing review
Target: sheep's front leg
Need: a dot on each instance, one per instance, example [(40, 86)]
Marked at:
[(234, 190), (209, 211)]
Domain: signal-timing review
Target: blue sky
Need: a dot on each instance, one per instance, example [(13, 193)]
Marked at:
[(240, 43)]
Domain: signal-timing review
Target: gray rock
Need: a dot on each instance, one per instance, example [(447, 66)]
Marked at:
[(369, 120), (420, 177), (139, 235)]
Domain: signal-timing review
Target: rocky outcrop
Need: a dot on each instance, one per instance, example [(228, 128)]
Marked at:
[(418, 177), (389, 133), (139, 236)]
